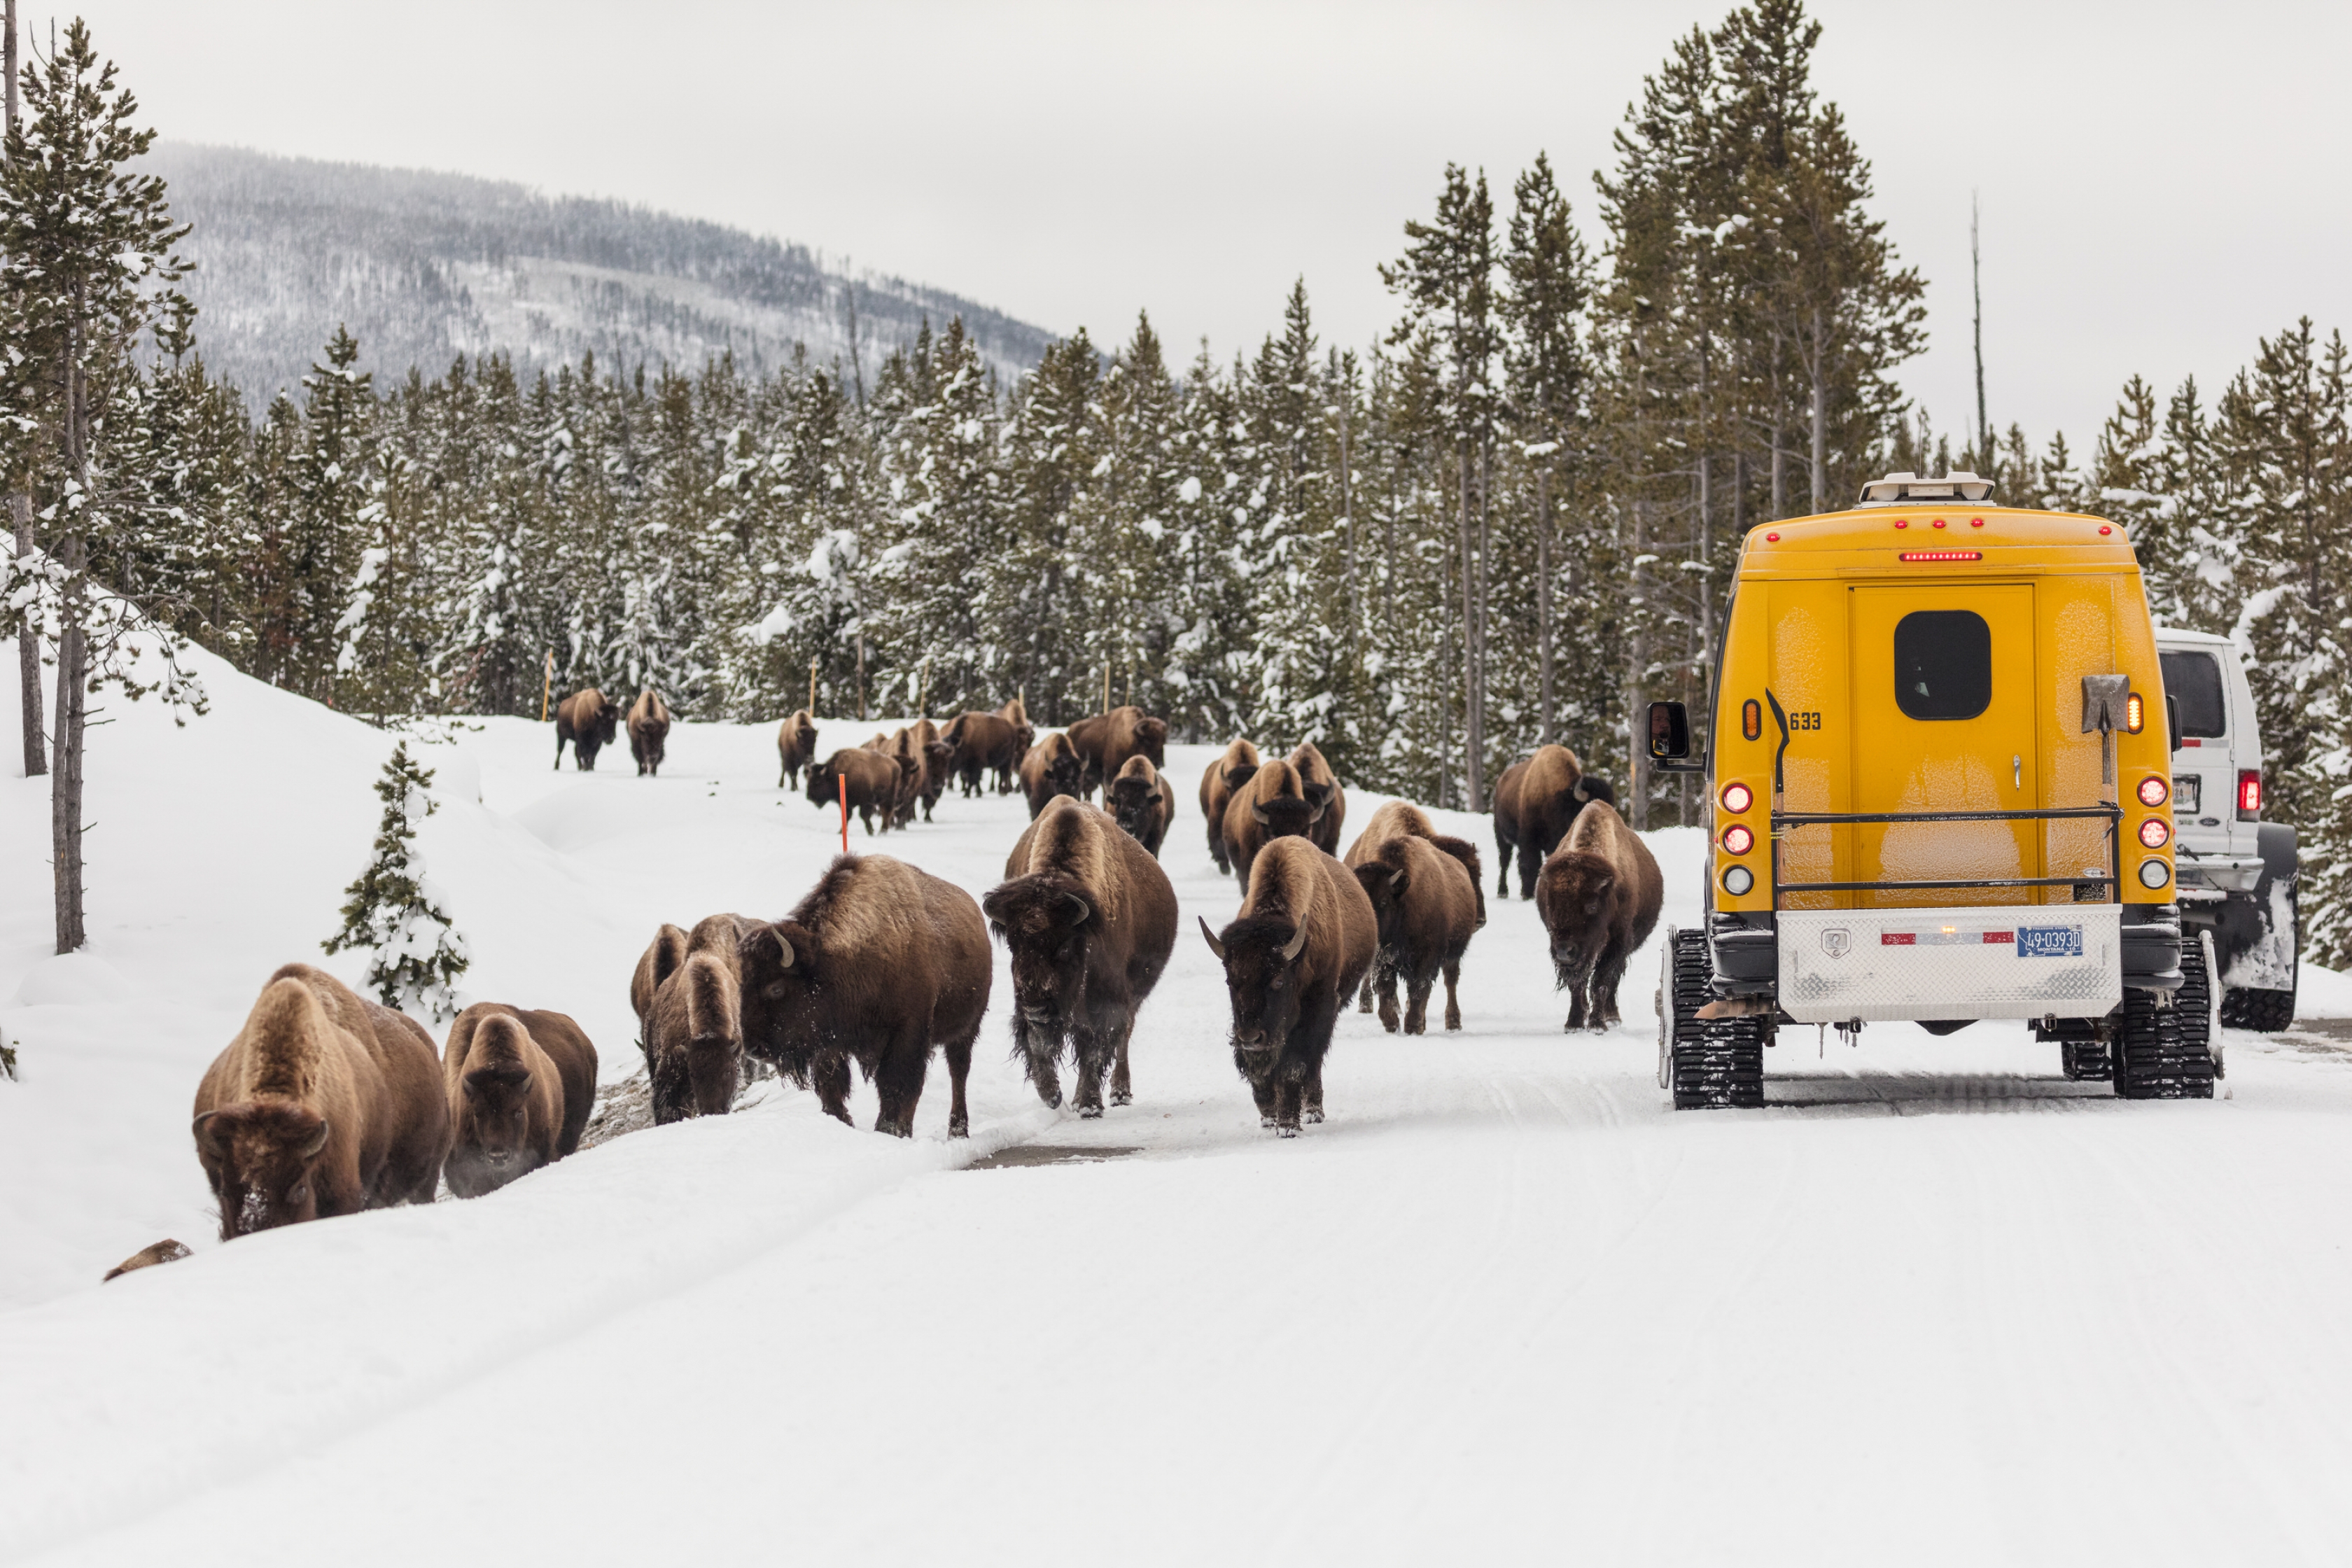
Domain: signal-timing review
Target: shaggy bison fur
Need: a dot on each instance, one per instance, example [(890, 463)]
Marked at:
[(586, 721), (1398, 819), (1304, 938), (1599, 896), (323, 1104), (939, 762), (1272, 806), (1089, 919), (693, 1045), (1424, 908), (879, 964), (987, 742), (1105, 742), (520, 1085), (796, 748), (1139, 800), (1322, 789), (648, 732), (1050, 768), (1535, 800), (873, 782), (1218, 781)]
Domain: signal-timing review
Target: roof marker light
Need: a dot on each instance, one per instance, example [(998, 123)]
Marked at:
[(2104, 528), (1976, 523), (1943, 554), (1772, 539), (1940, 522), (1900, 524)]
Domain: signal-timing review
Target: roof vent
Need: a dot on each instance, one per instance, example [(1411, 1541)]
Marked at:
[(1900, 489)]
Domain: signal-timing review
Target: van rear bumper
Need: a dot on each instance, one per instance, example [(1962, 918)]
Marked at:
[(2029, 962)]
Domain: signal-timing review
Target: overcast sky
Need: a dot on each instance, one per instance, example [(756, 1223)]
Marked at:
[(2160, 183)]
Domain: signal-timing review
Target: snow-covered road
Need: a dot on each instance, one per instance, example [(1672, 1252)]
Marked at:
[(1934, 1305)]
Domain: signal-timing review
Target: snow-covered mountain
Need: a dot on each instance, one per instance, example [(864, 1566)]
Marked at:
[(422, 267)]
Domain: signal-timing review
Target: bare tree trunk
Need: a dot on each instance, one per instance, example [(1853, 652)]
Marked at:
[(1818, 364), (1348, 517), (65, 789), (1543, 606), (1473, 762), (1637, 683)]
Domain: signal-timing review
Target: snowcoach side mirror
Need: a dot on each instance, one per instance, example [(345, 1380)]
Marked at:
[(2172, 720), (1670, 738)]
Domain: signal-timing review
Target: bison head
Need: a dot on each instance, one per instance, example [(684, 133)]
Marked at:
[(939, 759), (782, 969), (496, 1087), (1151, 739), (1047, 923), (1589, 789), (607, 721), (1286, 816), (262, 1157), (1573, 897), (1385, 885), (1135, 803), (1262, 981), (822, 791)]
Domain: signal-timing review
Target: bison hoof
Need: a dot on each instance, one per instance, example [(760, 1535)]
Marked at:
[(1052, 1097), (1285, 1132), (1265, 1121), (1122, 1096), (1315, 1117), (958, 1128), (1090, 1111)]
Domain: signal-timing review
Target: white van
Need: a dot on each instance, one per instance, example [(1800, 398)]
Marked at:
[(2236, 873)]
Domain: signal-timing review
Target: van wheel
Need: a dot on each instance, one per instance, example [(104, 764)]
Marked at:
[(2266, 1011), (1706, 1064), (2165, 1053)]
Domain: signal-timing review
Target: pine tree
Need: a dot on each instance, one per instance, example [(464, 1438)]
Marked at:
[(393, 913)]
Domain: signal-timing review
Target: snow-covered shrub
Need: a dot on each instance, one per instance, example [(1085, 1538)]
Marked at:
[(394, 912)]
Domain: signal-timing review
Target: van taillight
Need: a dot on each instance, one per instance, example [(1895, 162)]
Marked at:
[(2250, 793)]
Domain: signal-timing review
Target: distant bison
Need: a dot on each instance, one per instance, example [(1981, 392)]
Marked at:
[(521, 1085), (1218, 781), (880, 962), (1598, 895), (796, 748), (1050, 768), (1139, 798), (586, 721), (1106, 741), (1535, 800), (1425, 905), (873, 781), (939, 762), (324, 1104), (985, 742), (1089, 919), (694, 1042), (648, 732), (1322, 789), (1302, 943), (1272, 806)]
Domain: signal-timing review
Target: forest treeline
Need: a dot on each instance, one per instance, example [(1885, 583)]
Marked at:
[(1512, 518)]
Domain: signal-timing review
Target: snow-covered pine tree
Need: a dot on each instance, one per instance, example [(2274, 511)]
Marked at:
[(393, 913), (1210, 671), (1036, 588)]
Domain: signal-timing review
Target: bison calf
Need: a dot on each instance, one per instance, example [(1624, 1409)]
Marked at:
[(586, 721), (1142, 804), (879, 964), (648, 732), (324, 1104), (1599, 896), (521, 1085), (1226, 774), (1089, 919), (1302, 943), (796, 748)]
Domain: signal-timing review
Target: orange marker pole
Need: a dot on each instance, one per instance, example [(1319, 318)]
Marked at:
[(843, 780)]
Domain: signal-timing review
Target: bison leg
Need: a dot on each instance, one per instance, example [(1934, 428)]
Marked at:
[(1314, 1112), (559, 751), (1262, 1090), (1288, 1091), (829, 1076), (1217, 852), (1364, 994), (1502, 861), (1417, 1003), (1531, 861), (959, 1053), (899, 1079), (1093, 1054), (1452, 1003), (1386, 970), (1122, 1083), (1605, 976), (1037, 1052)]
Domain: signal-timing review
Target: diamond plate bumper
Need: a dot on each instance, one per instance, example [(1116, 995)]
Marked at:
[(2015, 963)]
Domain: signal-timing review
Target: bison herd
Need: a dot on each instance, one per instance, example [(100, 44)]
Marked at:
[(326, 1103)]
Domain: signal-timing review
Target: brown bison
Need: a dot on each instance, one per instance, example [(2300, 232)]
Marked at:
[(1300, 946), (986, 741), (1425, 905), (1089, 919), (1322, 789), (905, 749), (879, 964), (1139, 799), (1015, 713), (586, 721), (796, 748), (1050, 768), (1226, 774), (873, 782), (1535, 800), (1106, 741), (324, 1104), (1272, 804), (648, 732), (1599, 896), (659, 962), (694, 1044), (520, 1085), (939, 762)]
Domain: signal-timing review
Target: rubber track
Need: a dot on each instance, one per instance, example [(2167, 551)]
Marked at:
[(2267, 1011), (1717, 1063), (2163, 1053)]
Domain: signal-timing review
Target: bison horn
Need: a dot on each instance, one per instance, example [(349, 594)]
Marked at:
[(785, 956), (196, 1128), (1215, 945), (1259, 811), (1084, 912), (316, 1141), (1291, 949), (1396, 879)]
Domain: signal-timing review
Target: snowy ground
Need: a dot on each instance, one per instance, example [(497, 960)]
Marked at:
[(1934, 1305)]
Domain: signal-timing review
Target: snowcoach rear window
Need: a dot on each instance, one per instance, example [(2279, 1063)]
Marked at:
[(1943, 664), (2194, 681)]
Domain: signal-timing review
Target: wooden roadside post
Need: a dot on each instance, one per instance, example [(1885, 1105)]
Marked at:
[(843, 780), (547, 687), (811, 707)]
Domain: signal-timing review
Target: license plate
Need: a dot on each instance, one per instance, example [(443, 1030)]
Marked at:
[(2188, 791)]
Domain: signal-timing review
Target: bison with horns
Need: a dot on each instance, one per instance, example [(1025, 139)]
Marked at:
[(1535, 801), (1424, 895), (1089, 919), (586, 721), (1218, 783), (1599, 896), (520, 1085)]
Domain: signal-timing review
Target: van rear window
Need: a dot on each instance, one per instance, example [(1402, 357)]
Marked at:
[(2194, 681), (1943, 664)]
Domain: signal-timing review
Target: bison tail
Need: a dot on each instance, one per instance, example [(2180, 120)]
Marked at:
[(713, 1004)]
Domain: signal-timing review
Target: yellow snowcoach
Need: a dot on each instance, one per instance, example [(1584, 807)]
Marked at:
[(1942, 787)]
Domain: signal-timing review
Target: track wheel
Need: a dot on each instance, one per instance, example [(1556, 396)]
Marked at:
[(1705, 1063), (2087, 1061), (2166, 1053)]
